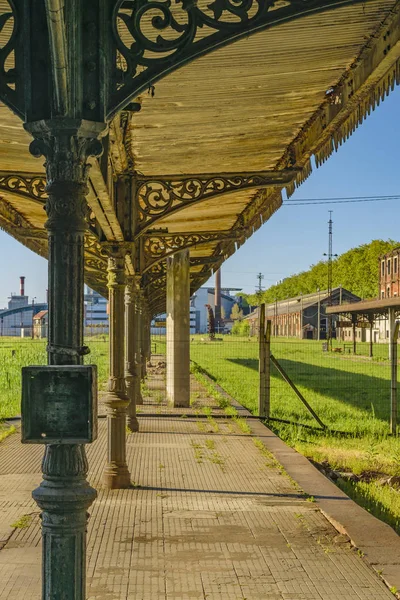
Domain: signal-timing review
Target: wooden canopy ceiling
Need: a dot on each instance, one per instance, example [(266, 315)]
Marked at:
[(215, 142)]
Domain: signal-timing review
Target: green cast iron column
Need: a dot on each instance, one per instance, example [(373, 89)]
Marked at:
[(138, 346), (116, 474), (143, 357), (64, 495), (132, 376)]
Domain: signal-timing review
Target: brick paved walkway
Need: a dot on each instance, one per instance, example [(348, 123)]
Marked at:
[(210, 516)]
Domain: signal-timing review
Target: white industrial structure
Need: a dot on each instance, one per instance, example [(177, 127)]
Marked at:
[(17, 319), (96, 313)]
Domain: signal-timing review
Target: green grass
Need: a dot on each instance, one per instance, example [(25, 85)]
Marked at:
[(350, 393), (16, 353)]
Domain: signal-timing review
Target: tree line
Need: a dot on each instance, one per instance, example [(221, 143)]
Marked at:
[(356, 270)]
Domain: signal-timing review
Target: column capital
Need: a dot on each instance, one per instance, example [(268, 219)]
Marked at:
[(66, 146)]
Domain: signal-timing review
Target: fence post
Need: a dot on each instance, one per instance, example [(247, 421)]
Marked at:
[(393, 389), (267, 370), (264, 338), (261, 360)]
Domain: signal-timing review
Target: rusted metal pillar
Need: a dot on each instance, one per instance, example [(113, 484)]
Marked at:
[(64, 494), (132, 376), (116, 474)]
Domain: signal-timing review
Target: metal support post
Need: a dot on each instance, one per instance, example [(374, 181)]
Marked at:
[(261, 360), (393, 388), (371, 343), (301, 317), (64, 494), (147, 335), (132, 377), (264, 366), (287, 320), (116, 474), (138, 343), (354, 334), (319, 316), (391, 324), (143, 337)]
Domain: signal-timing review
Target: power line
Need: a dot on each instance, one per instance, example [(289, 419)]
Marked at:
[(343, 200)]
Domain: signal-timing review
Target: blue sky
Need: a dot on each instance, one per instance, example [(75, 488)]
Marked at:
[(296, 236)]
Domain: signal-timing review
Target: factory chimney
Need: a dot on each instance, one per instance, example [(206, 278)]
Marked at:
[(22, 286), (217, 298)]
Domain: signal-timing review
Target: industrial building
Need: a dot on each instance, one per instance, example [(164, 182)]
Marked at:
[(303, 316), (372, 324), (96, 313), (17, 319), (218, 298), (41, 324)]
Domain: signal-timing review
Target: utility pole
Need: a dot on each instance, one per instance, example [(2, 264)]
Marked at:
[(259, 290), (260, 277), (330, 255)]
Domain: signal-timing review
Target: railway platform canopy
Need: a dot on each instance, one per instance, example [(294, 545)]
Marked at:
[(206, 114), (142, 143), (366, 309)]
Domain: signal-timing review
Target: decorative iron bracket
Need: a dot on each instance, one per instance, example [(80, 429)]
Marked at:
[(157, 246), (160, 268), (29, 185), (161, 196)]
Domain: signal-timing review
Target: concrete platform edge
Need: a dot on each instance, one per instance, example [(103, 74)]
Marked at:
[(378, 542)]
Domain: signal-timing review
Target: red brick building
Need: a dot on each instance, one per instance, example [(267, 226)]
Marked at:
[(390, 274)]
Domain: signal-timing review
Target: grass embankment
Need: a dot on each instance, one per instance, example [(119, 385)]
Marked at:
[(16, 353), (351, 395)]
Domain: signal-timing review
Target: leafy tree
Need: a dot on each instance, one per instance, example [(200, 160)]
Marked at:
[(236, 313), (356, 270), (241, 328)]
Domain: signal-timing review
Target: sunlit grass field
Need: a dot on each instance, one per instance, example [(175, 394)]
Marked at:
[(16, 353)]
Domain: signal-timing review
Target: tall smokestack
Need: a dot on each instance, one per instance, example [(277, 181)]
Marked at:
[(217, 297), (22, 286)]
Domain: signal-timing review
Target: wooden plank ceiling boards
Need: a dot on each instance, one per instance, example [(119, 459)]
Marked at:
[(265, 103)]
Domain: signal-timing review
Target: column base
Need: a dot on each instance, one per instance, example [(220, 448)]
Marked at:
[(179, 402), (116, 474), (133, 424), (116, 477)]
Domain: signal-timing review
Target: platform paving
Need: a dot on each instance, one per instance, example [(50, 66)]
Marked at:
[(210, 515)]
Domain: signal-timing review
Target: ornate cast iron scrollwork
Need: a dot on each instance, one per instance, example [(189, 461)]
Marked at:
[(153, 37), (31, 186), (158, 246), (9, 88), (159, 269), (158, 197)]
